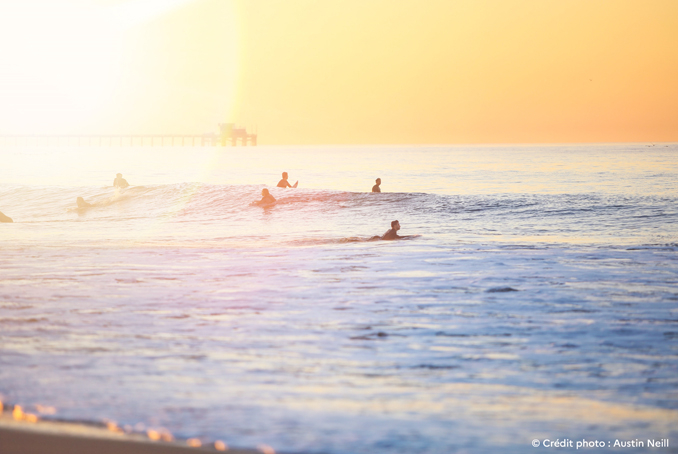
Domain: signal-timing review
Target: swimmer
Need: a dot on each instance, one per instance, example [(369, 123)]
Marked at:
[(392, 233), (4, 218), (286, 184), (82, 204), (120, 182), (266, 198), (376, 188)]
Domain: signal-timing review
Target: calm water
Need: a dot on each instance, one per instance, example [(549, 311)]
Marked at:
[(541, 300)]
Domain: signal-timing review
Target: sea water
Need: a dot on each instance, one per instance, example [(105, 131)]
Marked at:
[(540, 301)]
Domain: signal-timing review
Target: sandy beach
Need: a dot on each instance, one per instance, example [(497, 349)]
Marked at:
[(19, 437)]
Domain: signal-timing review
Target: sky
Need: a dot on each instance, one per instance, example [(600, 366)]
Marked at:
[(344, 71)]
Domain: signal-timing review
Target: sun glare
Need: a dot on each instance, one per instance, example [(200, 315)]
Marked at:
[(135, 12), (61, 61), (335, 72)]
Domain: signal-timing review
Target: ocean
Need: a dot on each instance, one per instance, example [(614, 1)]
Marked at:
[(540, 301)]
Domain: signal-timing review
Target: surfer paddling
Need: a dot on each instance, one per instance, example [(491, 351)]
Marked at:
[(120, 182), (266, 198), (82, 204), (392, 233), (376, 187), (286, 184)]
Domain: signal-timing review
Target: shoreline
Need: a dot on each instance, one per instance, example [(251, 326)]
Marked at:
[(62, 437)]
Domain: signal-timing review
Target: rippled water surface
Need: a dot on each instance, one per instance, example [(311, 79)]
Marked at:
[(540, 300)]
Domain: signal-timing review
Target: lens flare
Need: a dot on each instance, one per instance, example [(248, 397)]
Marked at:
[(194, 442), (266, 449)]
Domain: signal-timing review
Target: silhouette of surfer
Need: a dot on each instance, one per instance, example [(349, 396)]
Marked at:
[(376, 187), (286, 184), (5, 218), (120, 182), (392, 233), (82, 204), (266, 198)]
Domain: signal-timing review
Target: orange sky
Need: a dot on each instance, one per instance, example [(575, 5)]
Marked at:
[(345, 71)]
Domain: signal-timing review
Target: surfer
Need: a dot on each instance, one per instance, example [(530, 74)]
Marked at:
[(266, 198), (82, 204), (376, 187), (392, 233), (286, 184), (120, 182), (5, 218)]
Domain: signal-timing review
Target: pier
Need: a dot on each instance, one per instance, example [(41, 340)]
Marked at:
[(228, 135)]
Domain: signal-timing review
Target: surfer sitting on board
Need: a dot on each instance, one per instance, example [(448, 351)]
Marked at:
[(82, 204), (286, 184), (120, 182), (392, 233), (376, 187), (266, 198)]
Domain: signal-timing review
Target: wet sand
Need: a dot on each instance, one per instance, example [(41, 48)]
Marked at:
[(64, 438)]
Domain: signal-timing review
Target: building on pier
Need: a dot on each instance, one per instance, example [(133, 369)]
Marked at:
[(230, 133)]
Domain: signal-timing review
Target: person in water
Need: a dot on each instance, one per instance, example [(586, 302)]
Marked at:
[(286, 184), (392, 233), (266, 198), (120, 182), (5, 218), (376, 187), (82, 204)]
